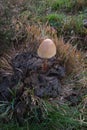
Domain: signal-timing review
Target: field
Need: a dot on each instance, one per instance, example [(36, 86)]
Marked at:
[(32, 98)]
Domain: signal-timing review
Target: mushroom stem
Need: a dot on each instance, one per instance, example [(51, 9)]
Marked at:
[(45, 66)]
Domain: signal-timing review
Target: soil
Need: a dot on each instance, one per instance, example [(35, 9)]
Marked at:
[(28, 71)]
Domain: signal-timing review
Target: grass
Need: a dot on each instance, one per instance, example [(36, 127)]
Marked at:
[(61, 117), (52, 115), (59, 14), (67, 55), (66, 16), (69, 5)]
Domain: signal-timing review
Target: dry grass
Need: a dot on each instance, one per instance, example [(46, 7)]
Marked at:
[(81, 2), (5, 66), (67, 55), (27, 38)]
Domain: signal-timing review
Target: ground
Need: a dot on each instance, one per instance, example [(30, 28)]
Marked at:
[(25, 95)]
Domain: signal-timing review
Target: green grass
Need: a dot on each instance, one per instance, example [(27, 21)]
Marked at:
[(61, 117), (58, 5), (59, 14), (68, 5), (63, 23), (66, 16)]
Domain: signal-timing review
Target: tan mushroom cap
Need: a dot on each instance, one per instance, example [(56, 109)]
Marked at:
[(47, 49)]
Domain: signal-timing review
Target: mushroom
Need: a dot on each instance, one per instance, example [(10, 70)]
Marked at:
[(46, 50)]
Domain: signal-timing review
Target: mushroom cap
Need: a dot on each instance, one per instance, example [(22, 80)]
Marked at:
[(47, 49)]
